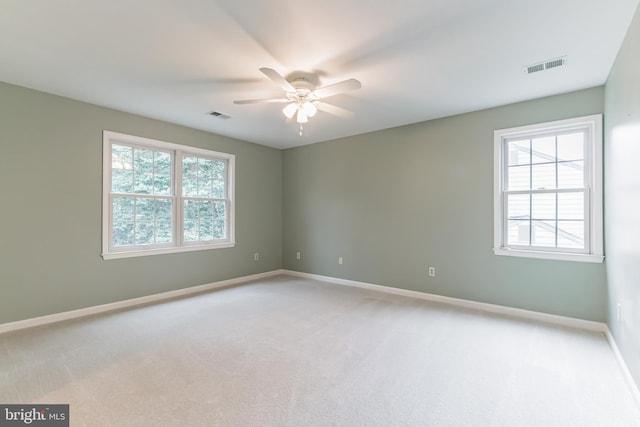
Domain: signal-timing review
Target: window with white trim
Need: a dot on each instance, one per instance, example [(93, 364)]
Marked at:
[(160, 197), (548, 190)]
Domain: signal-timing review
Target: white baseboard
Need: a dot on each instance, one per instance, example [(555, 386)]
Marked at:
[(74, 314), (633, 387), (497, 309), (481, 306)]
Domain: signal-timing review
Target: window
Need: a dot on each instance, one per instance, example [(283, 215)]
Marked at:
[(161, 198), (548, 190)]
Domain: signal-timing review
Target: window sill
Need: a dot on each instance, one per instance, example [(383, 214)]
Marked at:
[(557, 256), (162, 251)]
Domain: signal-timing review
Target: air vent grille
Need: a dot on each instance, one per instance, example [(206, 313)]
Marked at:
[(554, 63), (535, 68), (219, 115), (545, 65)]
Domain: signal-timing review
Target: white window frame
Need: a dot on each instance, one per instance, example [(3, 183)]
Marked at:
[(178, 244), (593, 187)]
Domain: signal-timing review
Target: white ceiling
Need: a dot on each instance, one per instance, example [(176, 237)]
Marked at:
[(417, 60)]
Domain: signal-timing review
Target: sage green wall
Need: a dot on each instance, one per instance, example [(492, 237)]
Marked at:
[(390, 202), (622, 197), (50, 209), (396, 201)]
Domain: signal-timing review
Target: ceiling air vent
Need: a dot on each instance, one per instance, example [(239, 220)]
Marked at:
[(545, 65), (219, 115)]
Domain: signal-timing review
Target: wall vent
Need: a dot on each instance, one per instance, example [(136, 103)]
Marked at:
[(219, 115), (545, 65), (535, 68)]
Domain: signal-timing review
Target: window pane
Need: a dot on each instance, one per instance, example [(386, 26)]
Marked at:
[(543, 234), (164, 232), (121, 169), (519, 178), (218, 189), (189, 176), (543, 176), (220, 209), (571, 174), (571, 234), (190, 231), (205, 209), (143, 183), (122, 209), (544, 206), (543, 150), (122, 181), (205, 230), (219, 230), (163, 220), (571, 146), (121, 157), (204, 178), (571, 206), (164, 211), (144, 233), (219, 170), (205, 187), (518, 206), (122, 233), (162, 185), (189, 186), (519, 152), (123, 221), (190, 165), (190, 210), (143, 160), (518, 233), (162, 163), (145, 209)]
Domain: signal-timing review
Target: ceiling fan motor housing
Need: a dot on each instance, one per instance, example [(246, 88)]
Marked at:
[(302, 86), (304, 91)]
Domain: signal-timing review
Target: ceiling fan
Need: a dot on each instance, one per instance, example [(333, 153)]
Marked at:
[(302, 97)]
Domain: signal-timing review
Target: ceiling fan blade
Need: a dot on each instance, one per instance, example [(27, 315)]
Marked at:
[(332, 109), (336, 88), (259, 101), (278, 79)]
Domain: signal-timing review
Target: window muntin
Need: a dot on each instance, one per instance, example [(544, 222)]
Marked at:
[(161, 197), (548, 190)]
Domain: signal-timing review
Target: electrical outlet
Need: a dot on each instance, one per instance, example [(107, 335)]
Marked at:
[(619, 312), (340, 260), (297, 255), (432, 272), (256, 256)]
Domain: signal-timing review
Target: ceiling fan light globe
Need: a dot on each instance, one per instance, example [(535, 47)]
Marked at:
[(309, 109), (290, 110), (302, 117)]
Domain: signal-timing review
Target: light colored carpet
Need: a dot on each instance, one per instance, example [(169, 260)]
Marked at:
[(294, 352)]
